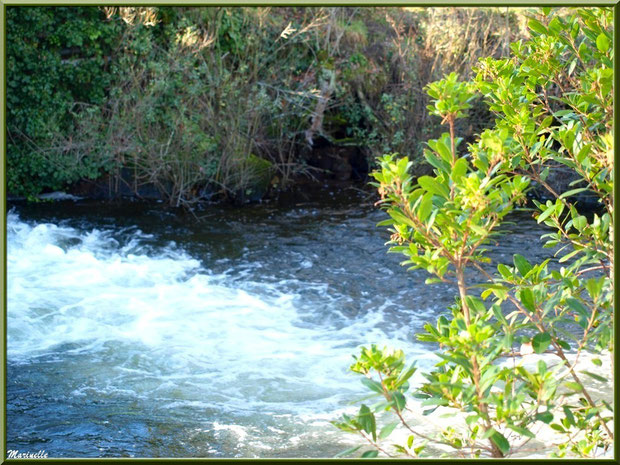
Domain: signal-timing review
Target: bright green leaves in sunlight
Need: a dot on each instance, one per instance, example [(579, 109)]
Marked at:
[(444, 220), (451, 97), (387, 376), (553, 110)]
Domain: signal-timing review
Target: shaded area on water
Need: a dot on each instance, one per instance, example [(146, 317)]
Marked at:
[(139, 331)]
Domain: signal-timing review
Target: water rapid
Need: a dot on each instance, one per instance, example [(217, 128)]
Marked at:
[(150, 335)]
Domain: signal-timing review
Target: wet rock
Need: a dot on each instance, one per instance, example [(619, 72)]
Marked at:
[(342, 163), (108, 187)]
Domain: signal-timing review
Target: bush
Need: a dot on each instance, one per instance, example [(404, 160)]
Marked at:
[(94, 90), (382, 96), (551, 101), (197, 96), (56, 56)]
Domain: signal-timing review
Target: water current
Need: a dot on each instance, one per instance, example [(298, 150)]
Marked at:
[(137, 331)]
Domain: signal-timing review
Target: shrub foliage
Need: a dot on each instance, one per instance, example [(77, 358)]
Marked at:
[(552, 103), (189, 99)]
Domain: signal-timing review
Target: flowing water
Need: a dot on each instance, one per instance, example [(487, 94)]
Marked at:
[(137, 331)]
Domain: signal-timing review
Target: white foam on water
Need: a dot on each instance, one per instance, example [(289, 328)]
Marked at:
[(59, 196), (168, 329)]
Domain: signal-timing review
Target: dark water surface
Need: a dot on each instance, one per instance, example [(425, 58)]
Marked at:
[(134, 330)]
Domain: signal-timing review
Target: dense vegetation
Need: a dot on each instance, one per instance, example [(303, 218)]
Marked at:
[(229, 102), (56, 61), (552, 103)]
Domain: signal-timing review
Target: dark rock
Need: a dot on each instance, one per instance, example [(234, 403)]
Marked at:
[(342, 163), (123, 185)]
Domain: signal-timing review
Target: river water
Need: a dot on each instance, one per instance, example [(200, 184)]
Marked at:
[(136, 331)]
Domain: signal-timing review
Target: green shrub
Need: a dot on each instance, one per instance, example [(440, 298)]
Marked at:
[(551, 101), (193, 95), (94, 90), (382, 95), (56, 57)]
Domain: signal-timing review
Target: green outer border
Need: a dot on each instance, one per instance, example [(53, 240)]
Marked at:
[(3, 204)]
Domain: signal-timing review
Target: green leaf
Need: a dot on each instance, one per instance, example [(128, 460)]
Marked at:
[(576, 306), (399, 400), (563, 344), (388, 222), (435, 401), (504, 271), (537, 26), (602, 42), (580, 223), (500, 441), (349, 451), (499, 289), (402, 166), (569, 415), (522, 431), (406, 374), (557, 427), (370, 454), (572, 192), (572, 66), (459, 169), (426, 206), (400, 218), (595, 376), (367, 420), (472, 419), (373, 385), (555, 26), (527, 299), (545, 214), (595, 286), (568, 256), (522, 264), (545, 417), (540, 342), (573, 386), (429, 411), (478, 230), (442, 149), (387, 430), (431, 184)]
